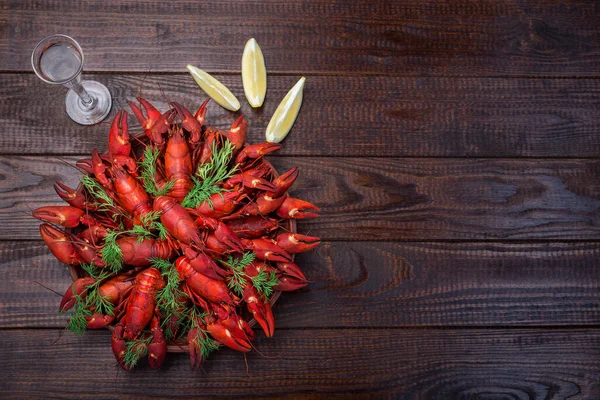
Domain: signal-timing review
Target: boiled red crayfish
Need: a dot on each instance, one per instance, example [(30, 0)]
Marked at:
[(177, 243)]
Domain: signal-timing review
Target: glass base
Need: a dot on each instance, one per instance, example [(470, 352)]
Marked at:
[(99, 108)]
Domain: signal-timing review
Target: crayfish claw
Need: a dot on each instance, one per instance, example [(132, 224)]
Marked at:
[(201, 113), (66, 216), (160, 127), (284, 182), (118, 136), (296, 208), (237, 133), (125, 162), (139, 115), (87, 252), (119, 346), (85, 164), (291, 269), (100, 170), (194, 349), (224, 336), (74, 197), (157, 349), (290, 277), (59, 244), (288, 283), (152, 113), (260, 310), (154, 123), (99, 321), (188, 122), (254, 182), (265, 249), (226, 236), (254, 151), (76, 289), (297, 243), (196, 338)]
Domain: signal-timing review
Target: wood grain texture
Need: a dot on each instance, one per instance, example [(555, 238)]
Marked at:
[(398, 37), (342, 116), (453, 147), (358, 284), (385, 199), (405, 364)]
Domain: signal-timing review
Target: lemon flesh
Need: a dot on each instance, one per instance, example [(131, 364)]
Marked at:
[(214, 89), (254, 74), (284, 117)]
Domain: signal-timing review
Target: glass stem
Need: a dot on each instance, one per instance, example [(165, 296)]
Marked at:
[(76, 86)]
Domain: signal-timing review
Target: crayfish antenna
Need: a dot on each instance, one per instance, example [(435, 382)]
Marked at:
[(47, 288)]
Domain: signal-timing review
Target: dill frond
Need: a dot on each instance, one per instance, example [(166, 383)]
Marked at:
[(91, 270), (205, 343), (169, 298), (141, 232), (151, 221), (77, 321), (210, 174), (135, 350), (99, 303), (111, 252), (165, 189), (147, 166), (162, 231), (238, 279), (264, 282), (90, 301), (96, 190), (150, 217), (161, 264), (202, 338)]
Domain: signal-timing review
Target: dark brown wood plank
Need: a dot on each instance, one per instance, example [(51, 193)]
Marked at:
[(465, 37), (407, 364), (386, 199), (343, 116), (362, 284)]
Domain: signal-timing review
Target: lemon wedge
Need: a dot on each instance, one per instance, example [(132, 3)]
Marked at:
[(254, 74), (214, 89), (284, 117)]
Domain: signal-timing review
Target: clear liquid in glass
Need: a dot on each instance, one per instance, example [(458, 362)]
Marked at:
[(60, 62), (58, 59)]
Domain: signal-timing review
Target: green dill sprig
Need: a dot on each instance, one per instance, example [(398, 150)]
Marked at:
[(135, 350), (170, 298), (89, 300), (238, 280), (162, 231), (161, 264), (210, 174), (151, 221), (111, 252), (92, 270), (202, 339), (147, 167), (264, 282), (96, 190), (78, 319)]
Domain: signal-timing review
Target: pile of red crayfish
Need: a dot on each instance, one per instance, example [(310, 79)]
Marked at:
[(170, 245)]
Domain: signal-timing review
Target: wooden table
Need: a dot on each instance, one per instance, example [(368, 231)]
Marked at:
[(453, 147)]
